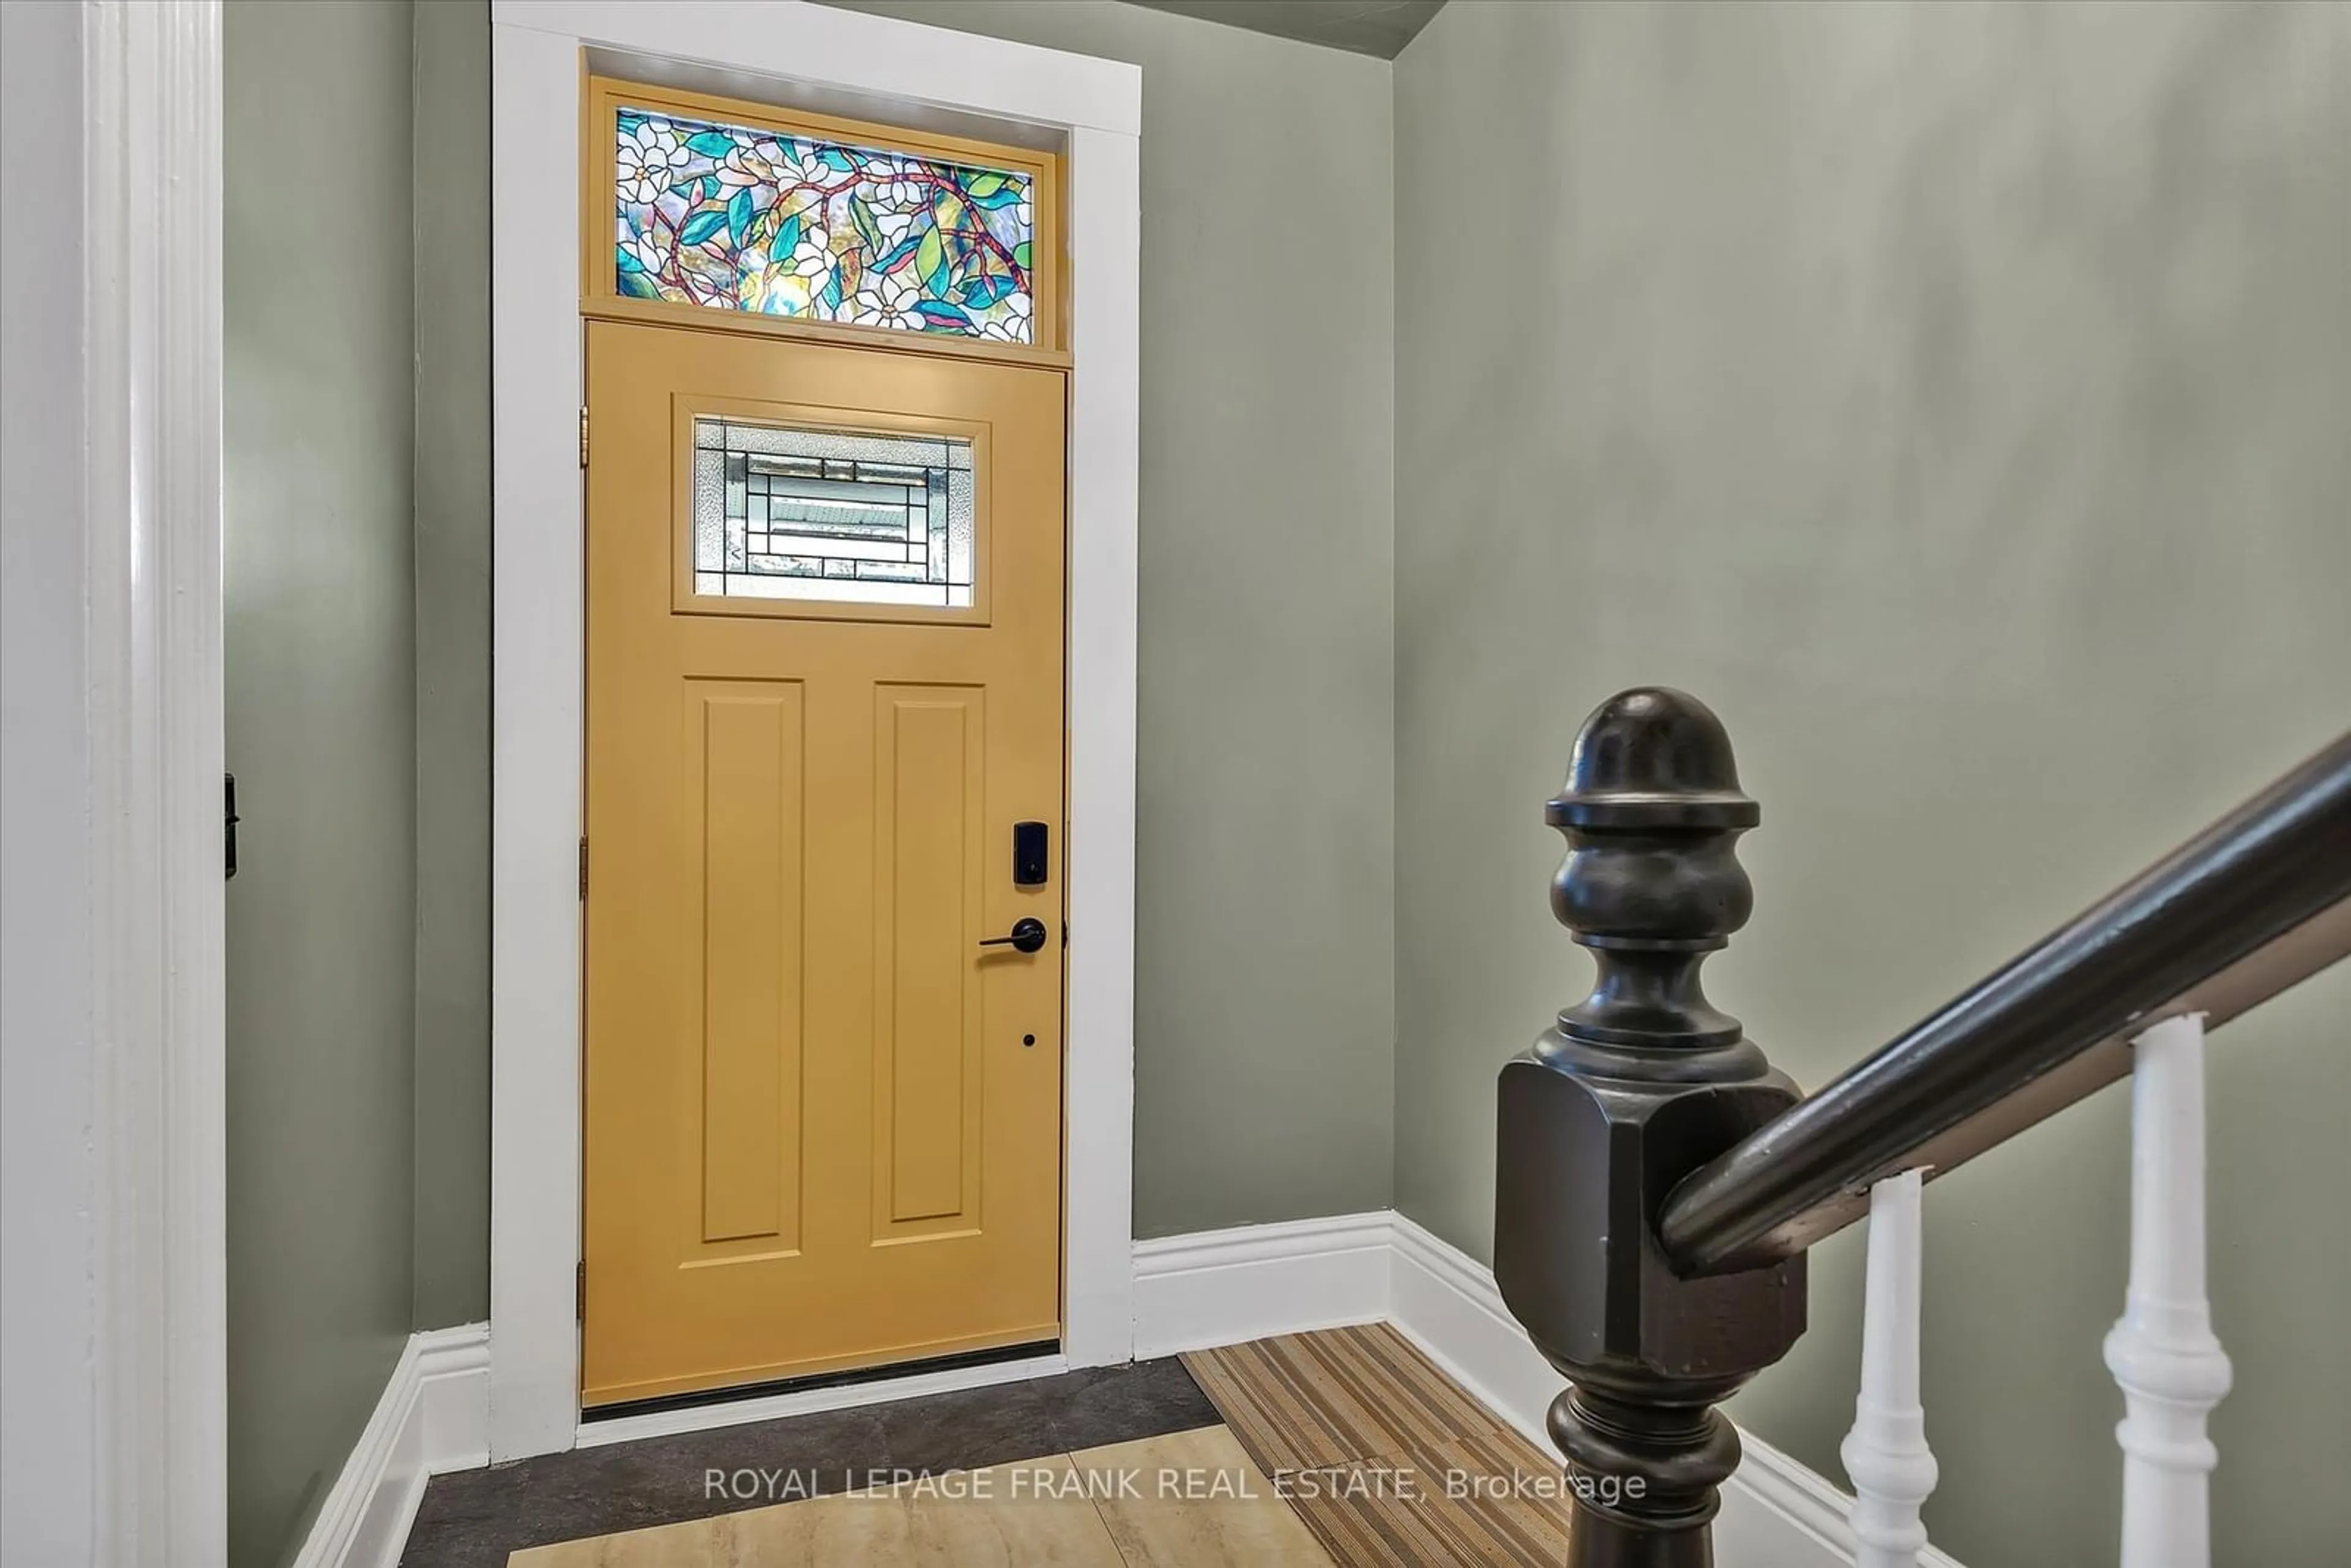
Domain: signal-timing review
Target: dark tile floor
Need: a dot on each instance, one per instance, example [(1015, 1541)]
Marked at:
[(474, 1518)]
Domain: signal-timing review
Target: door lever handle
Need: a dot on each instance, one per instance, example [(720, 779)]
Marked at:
[(1027, 936)]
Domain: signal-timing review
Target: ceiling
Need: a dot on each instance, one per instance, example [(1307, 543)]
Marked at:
[(1381, 28)]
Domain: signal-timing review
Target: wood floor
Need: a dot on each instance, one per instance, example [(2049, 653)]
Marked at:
[(1189, 1500), (1345, 1448)]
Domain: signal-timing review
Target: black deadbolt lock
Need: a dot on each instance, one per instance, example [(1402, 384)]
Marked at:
[(1029, 857)]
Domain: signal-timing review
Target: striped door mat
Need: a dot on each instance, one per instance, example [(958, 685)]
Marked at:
[(1387, 1459)]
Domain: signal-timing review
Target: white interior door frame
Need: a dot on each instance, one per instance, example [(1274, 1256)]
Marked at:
[(115, 1326), (786, 51)]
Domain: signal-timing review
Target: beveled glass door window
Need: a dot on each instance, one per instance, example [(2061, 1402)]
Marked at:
[(839, 516)]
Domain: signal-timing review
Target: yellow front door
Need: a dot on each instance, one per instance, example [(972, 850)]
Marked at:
[(824, 702)]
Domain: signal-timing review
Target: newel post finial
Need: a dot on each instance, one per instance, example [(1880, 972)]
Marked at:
[(1652, 812), (1632, 1089)]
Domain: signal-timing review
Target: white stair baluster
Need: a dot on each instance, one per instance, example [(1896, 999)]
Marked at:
[(2162, 1352), (1886, 1454)]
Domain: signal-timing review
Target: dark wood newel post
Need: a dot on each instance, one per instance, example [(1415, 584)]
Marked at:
[(1637, 1086)]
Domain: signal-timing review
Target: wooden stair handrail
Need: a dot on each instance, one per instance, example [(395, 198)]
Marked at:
[(2253, 904)]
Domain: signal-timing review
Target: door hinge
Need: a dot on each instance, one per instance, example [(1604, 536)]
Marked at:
[(579, 1293), (583, 436), (583, 870)]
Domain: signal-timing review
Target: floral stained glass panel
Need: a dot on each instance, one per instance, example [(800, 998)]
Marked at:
[(742, 219)]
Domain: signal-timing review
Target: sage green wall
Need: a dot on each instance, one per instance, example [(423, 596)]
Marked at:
[(1265, 891), (1954, 398), (322, 735), (452, 172)]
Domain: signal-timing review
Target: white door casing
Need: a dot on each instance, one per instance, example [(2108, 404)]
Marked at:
[(892, 70), (116, 1201)]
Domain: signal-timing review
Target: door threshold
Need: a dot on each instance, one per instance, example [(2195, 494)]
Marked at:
[(630, 1420)]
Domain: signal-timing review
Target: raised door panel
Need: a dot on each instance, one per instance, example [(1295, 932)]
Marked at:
[(746, 797), (930, 750)]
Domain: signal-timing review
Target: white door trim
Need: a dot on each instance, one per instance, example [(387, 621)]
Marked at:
[(150, 466), (535, 1094)]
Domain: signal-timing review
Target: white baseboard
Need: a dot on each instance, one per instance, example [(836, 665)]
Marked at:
[(434, 1415), (1221, 1286), (1446, 1303)]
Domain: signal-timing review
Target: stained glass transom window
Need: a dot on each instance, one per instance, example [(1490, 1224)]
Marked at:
[(831, 514), (742, 219)]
